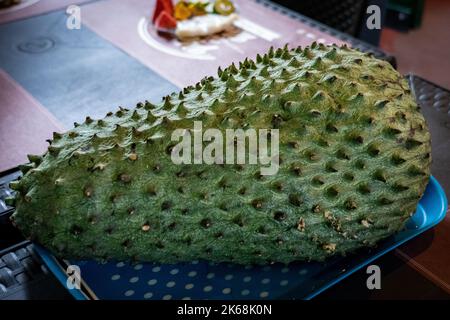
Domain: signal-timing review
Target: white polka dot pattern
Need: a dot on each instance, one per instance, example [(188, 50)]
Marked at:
[(226, 290), (203, 280), (189, 286), (115, 277), (207, 288), (148, 295), (152, 282), (129, 293)]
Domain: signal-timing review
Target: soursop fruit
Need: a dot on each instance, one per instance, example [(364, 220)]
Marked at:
[(354, 162)]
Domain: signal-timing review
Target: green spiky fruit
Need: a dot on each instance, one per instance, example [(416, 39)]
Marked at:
[(354, 152)]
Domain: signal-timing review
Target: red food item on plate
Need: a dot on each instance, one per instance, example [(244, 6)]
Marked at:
[(162, 6), (165, 21)]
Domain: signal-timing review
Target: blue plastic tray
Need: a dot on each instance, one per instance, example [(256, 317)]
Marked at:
[(203, 280)]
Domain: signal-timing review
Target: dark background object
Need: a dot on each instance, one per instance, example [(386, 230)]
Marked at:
[(22, 273), (404, 15), (24, 277), (348, 16), (354, 42), (434, 101), (8, 234)]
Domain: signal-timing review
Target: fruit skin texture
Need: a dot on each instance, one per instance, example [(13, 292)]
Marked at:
[(355, 160)]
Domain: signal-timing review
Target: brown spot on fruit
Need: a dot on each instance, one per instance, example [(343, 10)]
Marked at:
[(329, 247), (301, 225), (125, 178), (365, 223), (133, 156), (88, 192)]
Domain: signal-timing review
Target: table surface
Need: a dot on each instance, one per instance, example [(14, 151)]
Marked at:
[(51, 76)]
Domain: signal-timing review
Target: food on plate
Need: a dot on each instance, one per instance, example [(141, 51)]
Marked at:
[(165, 21), (192, 19), (182, 11), (162, 6), (204, 25), (354, 161), (187, 9), (224, 7), (198, 8)]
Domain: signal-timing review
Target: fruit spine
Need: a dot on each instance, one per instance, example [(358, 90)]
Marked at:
[(354, 162)]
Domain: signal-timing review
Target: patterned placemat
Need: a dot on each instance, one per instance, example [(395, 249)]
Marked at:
[(29, 8), (19, 138), (184, 63), (74, 73)]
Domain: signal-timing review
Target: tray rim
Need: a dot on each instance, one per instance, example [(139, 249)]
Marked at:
[(85, 293), (443, 206), (58, 271)]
